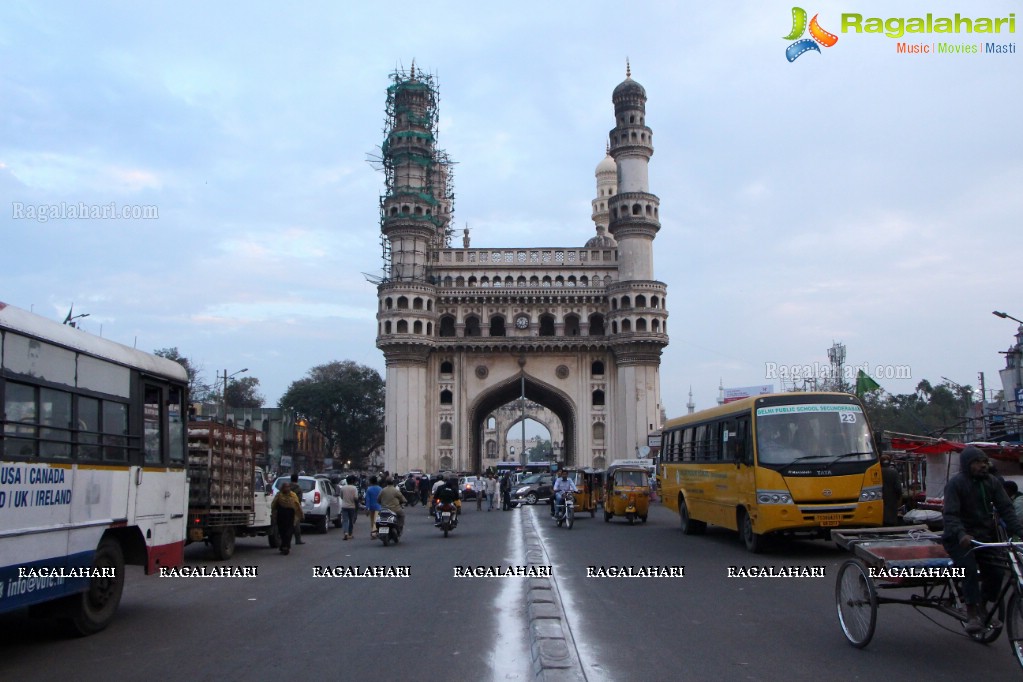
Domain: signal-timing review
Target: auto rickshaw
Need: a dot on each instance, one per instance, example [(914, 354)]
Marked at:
[(588, 489), (627, 493)]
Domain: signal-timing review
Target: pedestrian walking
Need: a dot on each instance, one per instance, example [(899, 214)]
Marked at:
[(287, 514), (506, 492), (349, 506), (891, 491), (424, 490), (491, 486), (296, 490)]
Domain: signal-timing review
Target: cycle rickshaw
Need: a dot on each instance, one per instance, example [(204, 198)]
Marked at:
[(908, 565)]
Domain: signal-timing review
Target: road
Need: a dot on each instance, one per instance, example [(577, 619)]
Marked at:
[(433, 625)]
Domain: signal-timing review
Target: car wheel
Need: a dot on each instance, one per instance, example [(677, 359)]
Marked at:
[(531, 498), (321, 524)]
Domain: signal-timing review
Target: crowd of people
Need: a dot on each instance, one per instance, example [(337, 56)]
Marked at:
[(386, 491)]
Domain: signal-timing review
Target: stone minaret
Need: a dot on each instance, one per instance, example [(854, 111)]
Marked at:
[(638, 313)]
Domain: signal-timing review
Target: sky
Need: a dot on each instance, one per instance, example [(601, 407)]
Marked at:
[(855, 195)]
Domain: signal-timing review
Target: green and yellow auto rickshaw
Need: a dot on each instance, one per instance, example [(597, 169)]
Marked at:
[(627, 493)]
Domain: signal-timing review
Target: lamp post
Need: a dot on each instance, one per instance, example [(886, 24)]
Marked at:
[(226, 377), (522, 413), (1005, 316), (1014, 360)]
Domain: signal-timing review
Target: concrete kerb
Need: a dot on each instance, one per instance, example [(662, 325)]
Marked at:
[(555, 658)]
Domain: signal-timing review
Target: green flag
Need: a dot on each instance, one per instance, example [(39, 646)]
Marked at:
[(864, 384)]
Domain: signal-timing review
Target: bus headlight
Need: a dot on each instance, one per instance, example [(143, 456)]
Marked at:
[(870, 494), (774, 497)]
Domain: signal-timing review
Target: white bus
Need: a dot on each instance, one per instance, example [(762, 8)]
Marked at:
[(92, 468)]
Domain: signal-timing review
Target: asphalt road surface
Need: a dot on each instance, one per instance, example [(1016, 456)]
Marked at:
[(285, 623)]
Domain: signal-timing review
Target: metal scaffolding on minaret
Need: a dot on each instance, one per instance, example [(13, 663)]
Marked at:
[(416, 209)]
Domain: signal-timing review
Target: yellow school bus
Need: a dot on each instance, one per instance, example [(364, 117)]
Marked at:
[(776, 464)]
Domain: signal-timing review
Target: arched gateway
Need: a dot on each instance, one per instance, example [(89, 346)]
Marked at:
[(468, 332)]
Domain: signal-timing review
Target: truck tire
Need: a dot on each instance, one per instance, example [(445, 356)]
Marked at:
[(273, 537), (92, 610), (223, 544)]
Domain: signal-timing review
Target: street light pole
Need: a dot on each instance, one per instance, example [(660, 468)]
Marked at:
[(226, 377), (522, 403), (1005, 316), (1014, 357)]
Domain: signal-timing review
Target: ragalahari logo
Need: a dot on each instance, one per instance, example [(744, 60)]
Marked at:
[(817, 35)]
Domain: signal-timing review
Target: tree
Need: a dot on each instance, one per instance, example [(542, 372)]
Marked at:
[(344, 402), (198, 389), (940, 410), (244, 392)]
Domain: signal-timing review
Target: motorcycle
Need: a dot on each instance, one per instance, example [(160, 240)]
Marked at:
[(564, 513), (388, 529), (411, 497), (447, 516)]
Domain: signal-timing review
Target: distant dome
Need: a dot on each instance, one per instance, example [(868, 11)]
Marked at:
[(602, 241), (629, 88), (607, 165)]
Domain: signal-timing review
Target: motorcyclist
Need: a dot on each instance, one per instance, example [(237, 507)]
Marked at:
[(391, 498), (445, 494), (563, 484), (437, 485)]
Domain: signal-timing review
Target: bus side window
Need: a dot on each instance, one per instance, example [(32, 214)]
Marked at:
[(20, 431), (728, 441), (87, 412), (743, 441), (152, 425)]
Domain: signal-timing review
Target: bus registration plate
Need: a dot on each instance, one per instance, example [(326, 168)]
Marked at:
[(828, 520)]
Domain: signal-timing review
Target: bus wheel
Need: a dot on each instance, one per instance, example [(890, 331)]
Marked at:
[(93, 609), (754, 542), (689, 526)]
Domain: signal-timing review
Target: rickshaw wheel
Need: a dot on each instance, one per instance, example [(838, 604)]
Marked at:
[(607, 517), (593, 512), (1014, 626), (643, 518), (632, 518), (856, 603)]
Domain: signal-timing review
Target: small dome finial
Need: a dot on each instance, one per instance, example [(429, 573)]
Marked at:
[(607, 149), (628, 68), (413, 76)]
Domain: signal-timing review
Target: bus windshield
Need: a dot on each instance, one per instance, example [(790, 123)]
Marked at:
[(812, 434)]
